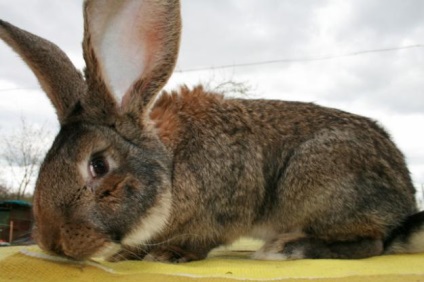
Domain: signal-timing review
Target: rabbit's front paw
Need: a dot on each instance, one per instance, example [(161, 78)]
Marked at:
[(128, 254), (173, 254)]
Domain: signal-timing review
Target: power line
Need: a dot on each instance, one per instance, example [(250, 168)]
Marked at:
[(294, 60), (300, 60)]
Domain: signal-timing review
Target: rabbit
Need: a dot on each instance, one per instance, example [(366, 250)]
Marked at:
[(139, 173)]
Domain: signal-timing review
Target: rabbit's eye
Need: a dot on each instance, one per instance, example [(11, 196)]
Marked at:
[(98, 167)]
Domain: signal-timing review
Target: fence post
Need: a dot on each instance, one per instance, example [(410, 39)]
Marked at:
[(11, 232)]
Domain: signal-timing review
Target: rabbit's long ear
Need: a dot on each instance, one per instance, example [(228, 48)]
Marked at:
[(62, 82), (130, 48)]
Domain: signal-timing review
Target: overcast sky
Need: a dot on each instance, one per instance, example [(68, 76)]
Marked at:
[(384, 85)]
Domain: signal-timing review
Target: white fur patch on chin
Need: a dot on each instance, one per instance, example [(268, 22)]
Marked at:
[(152, 224), (107, 251)]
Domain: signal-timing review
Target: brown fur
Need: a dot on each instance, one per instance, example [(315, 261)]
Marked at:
[(193, 170), (321, 150)]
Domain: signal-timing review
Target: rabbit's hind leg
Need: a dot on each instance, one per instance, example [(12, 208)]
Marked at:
[(300, 246)]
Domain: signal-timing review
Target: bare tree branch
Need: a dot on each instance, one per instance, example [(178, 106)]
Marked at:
[(23, 152), (229, 86), (4, 192)]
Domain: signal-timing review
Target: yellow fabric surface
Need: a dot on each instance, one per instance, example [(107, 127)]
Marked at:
[(225, 264)]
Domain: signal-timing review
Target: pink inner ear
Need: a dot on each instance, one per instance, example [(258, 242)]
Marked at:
[(122, 51), (126, 37)]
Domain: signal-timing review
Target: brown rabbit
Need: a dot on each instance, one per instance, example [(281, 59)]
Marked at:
[(171, 178)]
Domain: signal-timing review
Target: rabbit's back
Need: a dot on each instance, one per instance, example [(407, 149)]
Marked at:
[(285, 165)]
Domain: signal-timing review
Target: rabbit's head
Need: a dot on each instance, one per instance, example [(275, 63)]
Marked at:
[(107, 176)]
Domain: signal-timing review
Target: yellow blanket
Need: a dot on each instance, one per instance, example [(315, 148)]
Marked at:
[(224, 264)]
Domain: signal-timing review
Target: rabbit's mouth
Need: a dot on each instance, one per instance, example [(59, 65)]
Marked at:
[(81, 241)]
